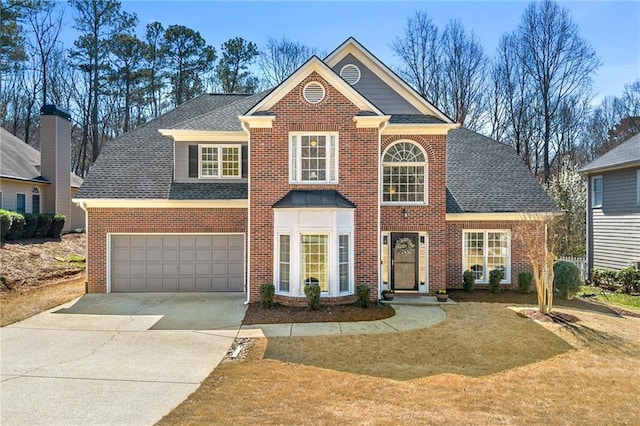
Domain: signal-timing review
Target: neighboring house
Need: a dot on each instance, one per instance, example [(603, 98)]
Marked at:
[(35, 183), (342, 175), (613, 207)]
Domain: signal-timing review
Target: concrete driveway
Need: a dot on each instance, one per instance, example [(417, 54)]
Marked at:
[(114, 358)]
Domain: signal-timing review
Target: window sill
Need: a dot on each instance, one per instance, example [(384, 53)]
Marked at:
[(403, 203), (313, 182)]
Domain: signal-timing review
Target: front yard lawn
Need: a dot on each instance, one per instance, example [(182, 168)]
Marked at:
[(484, 365), (619, 299)]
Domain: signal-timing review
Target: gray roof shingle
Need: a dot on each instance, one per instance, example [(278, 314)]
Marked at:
[(484, 175), (222, 119), (314, 198), (208, 191), (139, 164), (19, 160), (625, 154)]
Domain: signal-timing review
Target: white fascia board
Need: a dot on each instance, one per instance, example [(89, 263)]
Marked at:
[(383, 72), (314, 64), (257, 121), (598, 170), (179, 135), (370, 121), (511, 216), (419, 129), (117, 203)]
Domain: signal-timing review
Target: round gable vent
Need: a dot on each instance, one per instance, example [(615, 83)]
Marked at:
[(350, 73), (313, 92)]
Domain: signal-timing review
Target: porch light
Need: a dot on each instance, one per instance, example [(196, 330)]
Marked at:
[(405, 213)]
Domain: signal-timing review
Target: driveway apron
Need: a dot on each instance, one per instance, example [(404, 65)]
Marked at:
[(114, 358)]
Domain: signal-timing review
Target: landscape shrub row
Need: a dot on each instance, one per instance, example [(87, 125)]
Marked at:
[(17, 226), (626, 280)]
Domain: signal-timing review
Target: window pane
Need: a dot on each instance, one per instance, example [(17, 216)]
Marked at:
[(385, 259), (230, 162), (209, 161), (313, 158), (285, 270), (474, 254), (35, 203), (21, 203), (343, 260), (403, 183), (315, 268)]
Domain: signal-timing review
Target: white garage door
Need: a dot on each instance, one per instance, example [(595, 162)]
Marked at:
[(174, 262)]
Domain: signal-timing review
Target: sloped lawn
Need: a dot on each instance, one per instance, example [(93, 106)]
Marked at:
[(484, 365)]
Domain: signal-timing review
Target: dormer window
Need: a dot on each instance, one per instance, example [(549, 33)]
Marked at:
[(313, 157), (219, 161)]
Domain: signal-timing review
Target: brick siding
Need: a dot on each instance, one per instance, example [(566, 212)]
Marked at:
[(103, 221)]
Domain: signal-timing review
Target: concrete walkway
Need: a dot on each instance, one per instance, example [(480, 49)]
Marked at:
[(410, 314)]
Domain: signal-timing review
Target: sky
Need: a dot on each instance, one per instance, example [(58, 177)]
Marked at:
[(611, 27)]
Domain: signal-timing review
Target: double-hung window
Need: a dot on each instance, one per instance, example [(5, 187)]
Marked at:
[(219, 161), (597, 191), (484, 251), (313, 157), (35, 200), (21, 203), (404, 167)]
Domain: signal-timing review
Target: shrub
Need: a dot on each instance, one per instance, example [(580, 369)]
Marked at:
[(468, 279), (57, 223), (30, 224), (629, 279), (267, 291), (312, 291), (363, 294), (495, 276), (17, 226), (524, 282), (5, 223), (44, 223), (566, 278)]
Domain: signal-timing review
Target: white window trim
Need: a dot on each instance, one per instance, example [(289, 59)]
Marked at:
[(332, 261), (593, 192), (298, 160), (25, 201), (219, 160), (407, 164), (638, 187), (485, 251), (351, 262), (277, 263)]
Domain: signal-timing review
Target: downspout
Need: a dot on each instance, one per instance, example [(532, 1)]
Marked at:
[(248, 238), (379, 239), (83, 206)]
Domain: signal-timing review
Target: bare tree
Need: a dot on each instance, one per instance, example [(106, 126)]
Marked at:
[(154, 37), (232, 70), (464, 70), (281, 57), (419, 49), (558, 62)]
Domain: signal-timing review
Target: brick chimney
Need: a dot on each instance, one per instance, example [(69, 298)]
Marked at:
[(55, 161)]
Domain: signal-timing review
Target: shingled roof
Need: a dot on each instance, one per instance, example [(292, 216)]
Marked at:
[(626, 154), (484, 175), (139, 164), (21, 161)]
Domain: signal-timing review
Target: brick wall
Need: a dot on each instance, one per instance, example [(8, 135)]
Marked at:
[(428, 218), (519, 261), (357, 176), (157, 220)]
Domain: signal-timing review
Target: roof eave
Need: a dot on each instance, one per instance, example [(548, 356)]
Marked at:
[(611, 167)]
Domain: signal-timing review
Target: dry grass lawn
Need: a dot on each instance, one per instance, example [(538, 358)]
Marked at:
[(20, 304), (484, 365)]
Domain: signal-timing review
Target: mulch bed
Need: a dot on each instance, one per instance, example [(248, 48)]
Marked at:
[(326, 313), (559, 317)]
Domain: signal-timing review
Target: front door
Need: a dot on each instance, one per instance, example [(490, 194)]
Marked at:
[(404, 261)]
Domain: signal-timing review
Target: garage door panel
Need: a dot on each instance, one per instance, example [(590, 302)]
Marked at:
[(171, 262)]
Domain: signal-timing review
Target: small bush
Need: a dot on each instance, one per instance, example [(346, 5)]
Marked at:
[(363, 294), (57, 223), (524, 282), (629, 279), (267, 291), (495, 276), (468, 279), (17, 226), (30, 224), (5, 223), (44, 223), (566, 278), (312, 291)]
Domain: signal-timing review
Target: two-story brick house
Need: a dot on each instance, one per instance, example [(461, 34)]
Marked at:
[(341, 175)]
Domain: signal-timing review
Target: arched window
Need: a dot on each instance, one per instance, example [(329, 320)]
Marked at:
[(35, 200), (404, 171)]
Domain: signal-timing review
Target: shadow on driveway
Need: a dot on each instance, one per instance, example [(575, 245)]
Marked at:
[(161, 311)]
